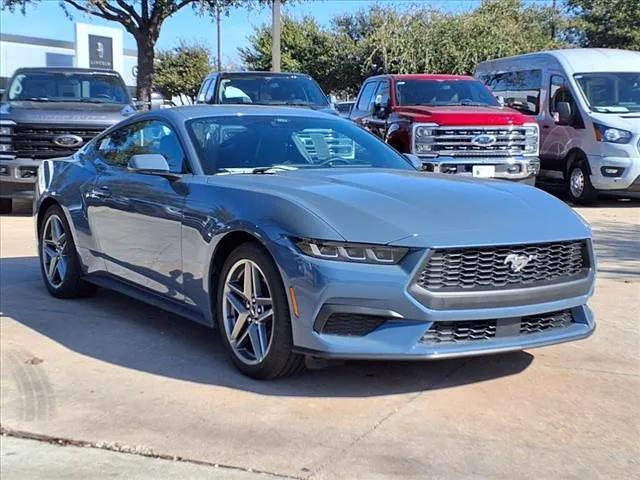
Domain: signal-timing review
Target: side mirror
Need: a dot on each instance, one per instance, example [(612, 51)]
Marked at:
[(500, 99), (333, 100), (563, 113), (380, 109), (415, 160), (152, 164)]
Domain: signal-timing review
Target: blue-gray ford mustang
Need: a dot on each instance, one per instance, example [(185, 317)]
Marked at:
[(300, 234)]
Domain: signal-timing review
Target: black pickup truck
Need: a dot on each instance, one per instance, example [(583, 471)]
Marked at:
[(52, 112)]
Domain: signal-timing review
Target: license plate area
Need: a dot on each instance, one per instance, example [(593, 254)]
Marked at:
[(484, 171)]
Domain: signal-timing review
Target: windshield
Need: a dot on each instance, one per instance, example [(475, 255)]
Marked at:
[(611, 92), (444, 93), (272, 90), (242, 143), (68, 87)]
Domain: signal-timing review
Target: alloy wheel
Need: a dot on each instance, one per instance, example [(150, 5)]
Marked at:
[(247, 312), (55, 258), (576, 182)]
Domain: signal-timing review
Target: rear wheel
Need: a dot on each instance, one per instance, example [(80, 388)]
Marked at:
[(59, 261), (6, 205), (579, 185), (254, 318)]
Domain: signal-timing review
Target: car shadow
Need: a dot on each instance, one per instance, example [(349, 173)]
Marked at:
[(617, 248), (113, 328)]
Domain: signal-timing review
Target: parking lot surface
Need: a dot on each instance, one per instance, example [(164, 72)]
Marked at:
[(110, 371)]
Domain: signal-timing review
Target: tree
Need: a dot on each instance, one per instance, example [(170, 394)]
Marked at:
[(141, 18), (180, 71), (605, 23)]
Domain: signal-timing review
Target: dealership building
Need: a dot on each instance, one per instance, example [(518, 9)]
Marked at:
[(93, 47)]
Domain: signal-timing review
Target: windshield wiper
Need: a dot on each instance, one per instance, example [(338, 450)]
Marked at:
[(272, 169)]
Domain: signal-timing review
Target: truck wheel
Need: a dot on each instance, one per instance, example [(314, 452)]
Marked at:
[(579, 185), (6, 205)]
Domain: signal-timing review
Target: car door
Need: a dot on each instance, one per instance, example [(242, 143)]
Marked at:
[(555, 139), (137, 217), (363, 109)]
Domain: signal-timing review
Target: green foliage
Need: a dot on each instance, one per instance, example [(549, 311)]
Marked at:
[(605, 23), (420, 39), (181, 70)]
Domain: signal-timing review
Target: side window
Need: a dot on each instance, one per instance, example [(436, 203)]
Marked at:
[(559, 92), (383, 91), (151, 136), (208, 97), (521, 90), (366, 97), (203, 90)]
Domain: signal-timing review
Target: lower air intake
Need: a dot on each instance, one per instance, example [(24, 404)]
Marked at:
[(352, 325)]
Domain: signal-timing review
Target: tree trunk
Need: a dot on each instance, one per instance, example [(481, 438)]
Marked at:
[(144, 80)]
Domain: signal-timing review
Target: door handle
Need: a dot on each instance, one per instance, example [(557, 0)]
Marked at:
[(100, 192)]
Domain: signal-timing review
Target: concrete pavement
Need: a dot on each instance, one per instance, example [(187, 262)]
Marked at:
[(111, 370)]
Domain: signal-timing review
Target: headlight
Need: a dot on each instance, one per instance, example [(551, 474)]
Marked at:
[(611, 135), (6, 131), (351, 252), (423, 138), (531, 139)]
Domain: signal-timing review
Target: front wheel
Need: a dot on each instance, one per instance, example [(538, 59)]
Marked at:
[(579, 185), (253, 315), (59, 261)]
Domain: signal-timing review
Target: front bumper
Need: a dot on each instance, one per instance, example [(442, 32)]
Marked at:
[(323, 287), (506, 168), (628, 181), (17, 177)]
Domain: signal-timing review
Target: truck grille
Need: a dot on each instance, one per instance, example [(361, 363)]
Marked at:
[(477, 330), (36, 141), (459, 142), (491, 268)]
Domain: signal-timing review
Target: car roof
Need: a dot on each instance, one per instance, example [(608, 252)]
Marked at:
[(423, 76), (189, 112)]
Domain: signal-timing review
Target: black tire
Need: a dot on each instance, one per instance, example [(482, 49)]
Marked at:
[(6, 205), (280, 360), (578, 183), (71, 283)]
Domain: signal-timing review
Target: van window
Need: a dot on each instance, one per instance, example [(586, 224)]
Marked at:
[(521, 90), (559, 92), (203, 90)]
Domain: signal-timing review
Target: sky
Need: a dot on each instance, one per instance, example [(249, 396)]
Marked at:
[(47, 20)]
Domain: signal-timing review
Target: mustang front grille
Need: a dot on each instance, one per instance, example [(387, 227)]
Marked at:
[(504, 267), (478, 330)]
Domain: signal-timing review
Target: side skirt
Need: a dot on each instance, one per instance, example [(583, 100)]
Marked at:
[(147, 296)]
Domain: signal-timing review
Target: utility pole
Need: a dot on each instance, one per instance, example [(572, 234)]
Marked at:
[(218, 61), (275, 36)]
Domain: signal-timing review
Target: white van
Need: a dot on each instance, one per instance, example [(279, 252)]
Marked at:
[(587, 104)]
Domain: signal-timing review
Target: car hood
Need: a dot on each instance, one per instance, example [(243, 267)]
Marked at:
[(419, 209), (461, 115), (100, 114)]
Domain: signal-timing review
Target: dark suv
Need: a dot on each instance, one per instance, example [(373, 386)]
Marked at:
[(52, 112), (264, 88)]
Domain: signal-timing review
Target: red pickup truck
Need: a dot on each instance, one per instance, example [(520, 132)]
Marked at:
[(452, 123)]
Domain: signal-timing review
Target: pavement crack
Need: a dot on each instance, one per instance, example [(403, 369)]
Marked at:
[(385, 418), (130, 450)]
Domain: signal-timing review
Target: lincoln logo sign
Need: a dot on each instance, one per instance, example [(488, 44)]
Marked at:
[(518, 262)]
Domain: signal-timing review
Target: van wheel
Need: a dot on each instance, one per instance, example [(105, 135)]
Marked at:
[(579, 185), (6, 205)]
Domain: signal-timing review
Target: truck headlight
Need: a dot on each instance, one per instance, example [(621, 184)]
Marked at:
[(6, 132), (423, 138), (531, 139), (611, 135), (351, 252)]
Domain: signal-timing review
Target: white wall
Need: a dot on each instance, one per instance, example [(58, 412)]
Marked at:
[(16, 55)]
